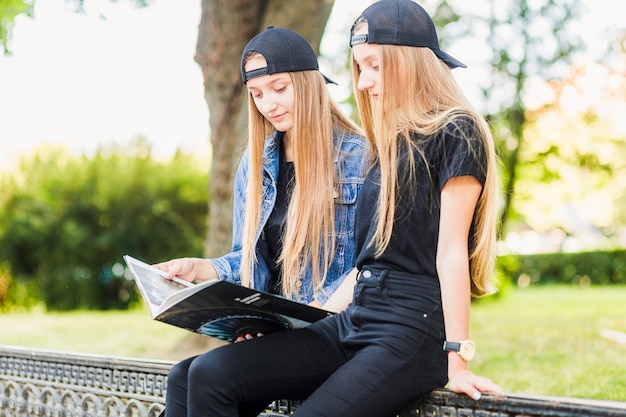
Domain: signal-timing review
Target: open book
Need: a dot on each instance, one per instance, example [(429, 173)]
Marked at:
[(218, 308)]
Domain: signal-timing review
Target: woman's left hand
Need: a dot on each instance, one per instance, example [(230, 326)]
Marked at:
[(472, 385)]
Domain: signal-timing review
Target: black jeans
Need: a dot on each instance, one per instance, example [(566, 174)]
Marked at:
[(371, 360)]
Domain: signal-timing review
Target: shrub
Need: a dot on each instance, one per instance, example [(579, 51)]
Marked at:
[(582, 268), (66, 221)]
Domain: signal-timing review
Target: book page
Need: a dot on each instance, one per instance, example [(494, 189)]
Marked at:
[(154, 288), (176, 297)]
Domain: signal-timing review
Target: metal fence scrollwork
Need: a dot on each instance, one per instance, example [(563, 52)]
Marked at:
[(48, 383)]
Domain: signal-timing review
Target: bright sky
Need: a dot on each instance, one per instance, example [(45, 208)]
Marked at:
[(118, 72), (82, 81)]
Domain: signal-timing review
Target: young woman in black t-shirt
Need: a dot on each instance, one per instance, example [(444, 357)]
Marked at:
[(425, 232)]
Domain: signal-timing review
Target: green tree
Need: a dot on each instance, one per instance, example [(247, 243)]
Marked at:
[(527, 39), (9, 10), (572, 169), (549, 156)]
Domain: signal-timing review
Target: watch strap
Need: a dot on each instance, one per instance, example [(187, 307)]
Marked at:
[(454, 346)]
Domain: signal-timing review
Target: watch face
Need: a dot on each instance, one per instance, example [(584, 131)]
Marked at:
[(467, 350)]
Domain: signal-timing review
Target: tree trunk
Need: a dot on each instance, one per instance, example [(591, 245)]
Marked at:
[(226, 26)]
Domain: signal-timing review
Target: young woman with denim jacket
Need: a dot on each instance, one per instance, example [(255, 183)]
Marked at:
[(348, 150), (297, 184)]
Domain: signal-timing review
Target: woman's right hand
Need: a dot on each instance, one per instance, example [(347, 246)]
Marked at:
[(189, 269)]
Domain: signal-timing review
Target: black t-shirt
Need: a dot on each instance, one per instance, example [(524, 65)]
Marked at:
[(273, 230), (455, 151)]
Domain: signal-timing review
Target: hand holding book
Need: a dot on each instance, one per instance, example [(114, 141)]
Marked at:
[(188, 269)]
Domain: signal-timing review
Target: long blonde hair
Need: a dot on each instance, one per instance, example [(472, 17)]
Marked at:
[(309, 233), (419, 94)]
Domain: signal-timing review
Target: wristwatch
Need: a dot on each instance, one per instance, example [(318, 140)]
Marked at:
[(466, 349)]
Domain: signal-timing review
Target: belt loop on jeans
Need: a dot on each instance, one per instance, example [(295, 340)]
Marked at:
[(381, 278)]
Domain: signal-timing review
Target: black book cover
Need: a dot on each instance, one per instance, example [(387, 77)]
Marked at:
[(218, 308)]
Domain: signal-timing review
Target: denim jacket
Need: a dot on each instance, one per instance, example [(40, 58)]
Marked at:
[(350, 166)]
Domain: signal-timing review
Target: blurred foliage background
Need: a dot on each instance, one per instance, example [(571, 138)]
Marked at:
[(66, 219)]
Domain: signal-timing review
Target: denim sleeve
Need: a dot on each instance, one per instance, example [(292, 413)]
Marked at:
[(228, 266)]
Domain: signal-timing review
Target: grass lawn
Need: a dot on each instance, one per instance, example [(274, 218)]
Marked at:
[(115, 333), (539, 340), (548, 340)]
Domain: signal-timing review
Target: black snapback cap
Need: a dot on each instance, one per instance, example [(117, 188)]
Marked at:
[(402, 22), (284, 51)]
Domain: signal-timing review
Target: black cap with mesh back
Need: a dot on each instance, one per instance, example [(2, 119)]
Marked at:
[(284, 51), (402, 22)]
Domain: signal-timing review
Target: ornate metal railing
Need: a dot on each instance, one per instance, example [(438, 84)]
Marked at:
[(49, 383), (36, 382)]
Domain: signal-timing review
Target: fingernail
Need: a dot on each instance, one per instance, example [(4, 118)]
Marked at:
[(476, 396)]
